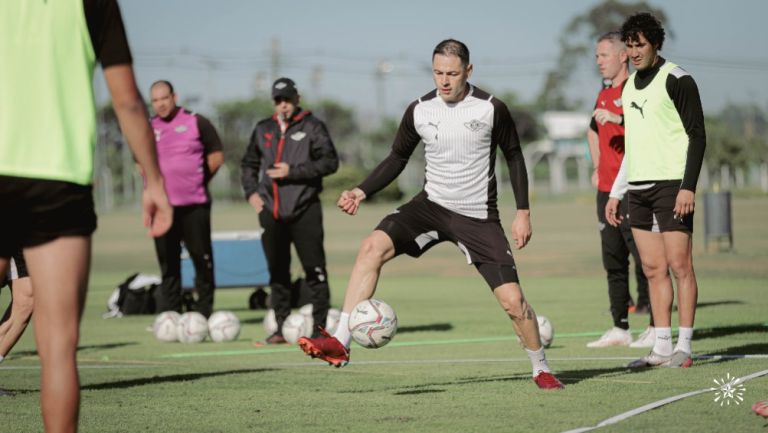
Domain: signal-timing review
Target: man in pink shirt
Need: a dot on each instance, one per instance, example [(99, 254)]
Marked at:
[(189, 152)]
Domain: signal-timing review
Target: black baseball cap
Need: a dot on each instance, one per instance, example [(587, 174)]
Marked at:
[(285, 88)]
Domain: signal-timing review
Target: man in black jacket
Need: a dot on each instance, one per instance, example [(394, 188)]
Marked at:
[(282, 175)]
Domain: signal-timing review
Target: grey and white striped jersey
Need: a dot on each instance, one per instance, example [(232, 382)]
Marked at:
[(460, 142)]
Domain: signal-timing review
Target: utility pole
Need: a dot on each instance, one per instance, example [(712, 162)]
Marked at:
[(382, 69), (275, 59), (315, 81)]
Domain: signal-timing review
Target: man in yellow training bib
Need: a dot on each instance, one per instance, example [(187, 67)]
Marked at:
[(664, 150)]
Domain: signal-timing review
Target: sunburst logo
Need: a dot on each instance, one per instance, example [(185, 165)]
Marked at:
[(729, 390)]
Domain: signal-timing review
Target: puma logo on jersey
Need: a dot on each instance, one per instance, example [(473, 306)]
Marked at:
[(474, 125), (638, 107), (298, 135), (434, 125), (180, 129)]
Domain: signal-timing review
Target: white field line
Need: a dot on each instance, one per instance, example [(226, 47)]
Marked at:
[(315, 363), (657, 404)]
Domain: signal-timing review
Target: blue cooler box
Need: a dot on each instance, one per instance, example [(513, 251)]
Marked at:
[(238, 261)]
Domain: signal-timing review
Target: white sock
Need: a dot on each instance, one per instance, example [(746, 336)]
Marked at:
[(1, 359), (684, 337), (538, 361), (663, 344), (342, 330)]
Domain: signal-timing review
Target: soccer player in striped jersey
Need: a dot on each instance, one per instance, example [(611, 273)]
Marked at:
[(461, 127)]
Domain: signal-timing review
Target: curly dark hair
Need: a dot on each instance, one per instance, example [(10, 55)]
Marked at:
[(645, 23)]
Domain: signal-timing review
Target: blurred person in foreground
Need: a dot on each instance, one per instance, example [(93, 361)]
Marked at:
[(46, 168)]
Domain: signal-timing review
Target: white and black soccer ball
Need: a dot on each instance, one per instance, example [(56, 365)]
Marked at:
[(372, 323), (309, 320), (332, 321), (270, 322), (193, 327), (546, 331), (223, 326), (295, 327), (166, 326)]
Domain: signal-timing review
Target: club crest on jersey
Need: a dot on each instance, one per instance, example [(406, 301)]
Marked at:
[(180, 129), (475, 125), (617, 102), (297, 136)]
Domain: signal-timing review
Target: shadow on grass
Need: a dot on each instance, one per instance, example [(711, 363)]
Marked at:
[(439, 327), (732, 353), (253, 321), (568, 377), (718, 303), (106, 346), (723, 331), (154, 380)]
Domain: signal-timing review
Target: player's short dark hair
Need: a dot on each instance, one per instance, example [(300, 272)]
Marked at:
[(166, 82), (452, 47), (645, 23)]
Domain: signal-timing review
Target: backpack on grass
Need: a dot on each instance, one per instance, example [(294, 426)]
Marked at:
[(135, 295)]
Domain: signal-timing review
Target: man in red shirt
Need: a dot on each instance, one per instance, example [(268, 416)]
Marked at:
[(606, 145)]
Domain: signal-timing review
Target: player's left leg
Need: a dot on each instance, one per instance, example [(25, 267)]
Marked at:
[(196, 233), (308, 235), (678, 246), (510, 297), (60, 270)]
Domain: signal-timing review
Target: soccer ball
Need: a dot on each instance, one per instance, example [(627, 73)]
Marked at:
[(372, 323), (270, 322), (306, 311), (295, 327), (166, 326), (223, 326), (546, 331), (193, 327), (332, 321)]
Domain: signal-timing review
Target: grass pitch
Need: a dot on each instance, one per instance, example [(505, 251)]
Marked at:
[(454, 365)]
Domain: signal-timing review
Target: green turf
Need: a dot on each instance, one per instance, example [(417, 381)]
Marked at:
[(453, 367)]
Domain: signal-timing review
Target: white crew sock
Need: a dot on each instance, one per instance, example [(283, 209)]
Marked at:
[(538, 361), (1, 359), (684, 337), (663, 344), (342, 330)]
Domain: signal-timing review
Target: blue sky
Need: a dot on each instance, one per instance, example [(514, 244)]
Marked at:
[(216, 51)]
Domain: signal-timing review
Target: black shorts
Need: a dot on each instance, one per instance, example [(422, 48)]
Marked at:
[(421, 224), (35, 211), (652, 209)]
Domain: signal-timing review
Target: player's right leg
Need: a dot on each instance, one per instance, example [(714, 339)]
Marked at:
[(650, 245), (60, 268), (615, 255), (374, 251), (168, 251)]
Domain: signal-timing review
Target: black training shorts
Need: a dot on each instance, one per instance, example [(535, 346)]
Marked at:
[(421, 224), (652, 209), (35, 211)]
